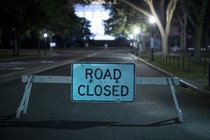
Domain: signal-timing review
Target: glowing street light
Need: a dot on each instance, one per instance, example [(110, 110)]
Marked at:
[(152, 20), (45, 35), (137, 31)]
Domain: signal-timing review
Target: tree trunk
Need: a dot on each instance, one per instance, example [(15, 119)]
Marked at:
[(15, 44), (198, 43), (199, 33), (183, 40), (198, 25), (164, 41), (39, 48), (143, 44), (18, 47)]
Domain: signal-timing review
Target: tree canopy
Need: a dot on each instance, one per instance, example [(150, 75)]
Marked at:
[(26, 15), (21, 17), (123, 19), (196, 11)]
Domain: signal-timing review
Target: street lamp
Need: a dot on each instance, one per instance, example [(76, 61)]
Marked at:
[(152, 20), (136, 32), (45, 35)]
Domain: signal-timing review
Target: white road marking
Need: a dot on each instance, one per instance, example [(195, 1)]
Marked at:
[(47, 61), (17, 68)]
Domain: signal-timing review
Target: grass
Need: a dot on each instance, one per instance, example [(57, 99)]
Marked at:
[(195, 72), (181, 67), (206, 88), (8, 54)]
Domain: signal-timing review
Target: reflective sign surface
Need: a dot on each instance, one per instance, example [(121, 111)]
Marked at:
[(103, 82)]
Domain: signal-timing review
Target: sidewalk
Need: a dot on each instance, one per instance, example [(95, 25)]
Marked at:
[(195, 84)]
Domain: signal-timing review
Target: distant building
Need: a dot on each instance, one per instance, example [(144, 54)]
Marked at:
[(95, 13)]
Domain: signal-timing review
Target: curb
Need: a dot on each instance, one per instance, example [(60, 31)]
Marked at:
[(183, 83)]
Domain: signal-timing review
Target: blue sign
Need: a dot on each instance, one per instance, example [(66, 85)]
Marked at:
[(103, 82)]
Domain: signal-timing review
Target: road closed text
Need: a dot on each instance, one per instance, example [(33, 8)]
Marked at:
[(102, 83), (107, 90)]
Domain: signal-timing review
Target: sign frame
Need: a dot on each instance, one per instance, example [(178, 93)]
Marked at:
[(131, 65)]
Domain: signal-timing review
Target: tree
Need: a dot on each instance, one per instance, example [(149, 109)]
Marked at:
[(196, 11), (85, 28), (182, 18), (122, 20), (20, 17), (79, 33), (162, 10), (16, 19)]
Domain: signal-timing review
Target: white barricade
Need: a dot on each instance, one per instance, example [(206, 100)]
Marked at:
[(30, 79)]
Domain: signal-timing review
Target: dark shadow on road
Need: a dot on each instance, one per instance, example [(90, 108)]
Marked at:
[(156, 124), (52, 124), (8, 117), (56, 124)]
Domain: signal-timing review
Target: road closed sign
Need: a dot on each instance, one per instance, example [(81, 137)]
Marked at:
[(103, 82)]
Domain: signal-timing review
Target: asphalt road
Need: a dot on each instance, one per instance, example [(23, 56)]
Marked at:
[(52, 115), (14, 68)]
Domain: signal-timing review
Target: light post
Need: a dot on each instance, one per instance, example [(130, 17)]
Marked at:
[(45, 35), (152, 20), (136, 39)]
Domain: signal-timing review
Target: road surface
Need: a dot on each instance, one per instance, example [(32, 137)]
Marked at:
[(52, 115)]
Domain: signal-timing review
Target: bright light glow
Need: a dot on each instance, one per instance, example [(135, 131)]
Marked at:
[(98, 2), (45, 35), (102, 2), (96, 14), (137, 31), (104, 37), (131, 36), (152, 20)]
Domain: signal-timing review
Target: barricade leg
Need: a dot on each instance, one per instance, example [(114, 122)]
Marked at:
[(173, 92), (24, 101), (27, 98)]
